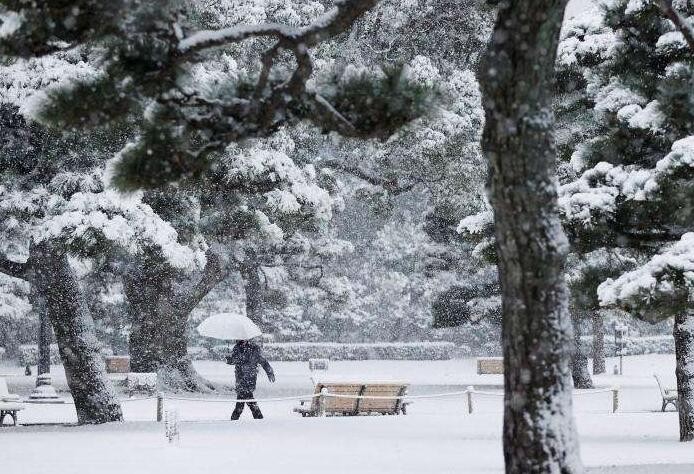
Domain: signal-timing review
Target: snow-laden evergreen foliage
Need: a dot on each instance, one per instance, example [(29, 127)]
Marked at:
[(633, 190), (148, 53), (635, 171)]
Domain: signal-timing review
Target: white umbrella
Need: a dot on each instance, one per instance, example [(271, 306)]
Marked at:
[(229, 326)]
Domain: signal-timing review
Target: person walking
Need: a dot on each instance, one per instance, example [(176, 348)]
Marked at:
[(246, 356)]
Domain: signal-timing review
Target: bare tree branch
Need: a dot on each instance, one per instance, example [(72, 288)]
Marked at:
[(212, 274), (680, 22), (390, 185), (332, 23), (267, 62), (340, 118), (12, 268)]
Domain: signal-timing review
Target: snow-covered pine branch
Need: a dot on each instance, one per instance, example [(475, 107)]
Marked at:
[(684, 25), (598, 193), (666, 280), (145, 60), (88, 219), (331, 23)]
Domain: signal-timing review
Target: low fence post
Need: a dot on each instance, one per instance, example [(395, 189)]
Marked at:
[(322, 399), (470, 389), (615, 399), (160, 407)]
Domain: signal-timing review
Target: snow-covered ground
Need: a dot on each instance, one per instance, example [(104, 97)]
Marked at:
[(437, 436)]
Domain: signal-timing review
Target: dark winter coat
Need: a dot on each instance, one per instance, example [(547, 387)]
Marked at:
[(246, 357)]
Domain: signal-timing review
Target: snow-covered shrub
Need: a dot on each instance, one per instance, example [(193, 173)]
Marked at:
[(2, 353), (303, 351), (635, 345)]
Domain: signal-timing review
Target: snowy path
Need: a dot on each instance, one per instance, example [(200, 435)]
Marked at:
[(419, 443), (438, 436)]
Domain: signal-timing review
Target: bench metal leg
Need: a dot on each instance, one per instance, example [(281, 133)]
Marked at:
[(13, 415), (669, 402)]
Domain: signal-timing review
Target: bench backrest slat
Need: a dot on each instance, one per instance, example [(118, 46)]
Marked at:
[(340, 405), (381, 404)]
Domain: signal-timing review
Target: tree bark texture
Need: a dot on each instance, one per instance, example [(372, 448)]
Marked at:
[(159, 316), (250, 272), (66, 307), (153, 339), (579, 361), (684, 354), (598, 343), (539, 433)]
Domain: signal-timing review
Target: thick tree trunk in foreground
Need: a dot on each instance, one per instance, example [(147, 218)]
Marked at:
[(539, 432), (598, 343), (579, 361), (158, 315), (95, 400), (684, 354)]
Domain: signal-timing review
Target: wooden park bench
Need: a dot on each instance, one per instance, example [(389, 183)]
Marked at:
[(387, 402), (669, 394), (9, 404), (490, 365)]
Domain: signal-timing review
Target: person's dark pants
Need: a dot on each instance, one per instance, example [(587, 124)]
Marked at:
[(255, 409)]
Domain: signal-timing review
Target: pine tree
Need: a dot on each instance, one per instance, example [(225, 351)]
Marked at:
[(148, 52), (432, 165), (635, 182), (54, 205)]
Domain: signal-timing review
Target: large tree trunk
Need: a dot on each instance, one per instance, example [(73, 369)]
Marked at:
[(598, 343), (158, 315), (147, 291), (539, 432), (579, 361), (684, 354), (95, 400)]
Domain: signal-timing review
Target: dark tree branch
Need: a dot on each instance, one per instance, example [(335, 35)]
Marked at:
[(13, 269), (332, 23), (391, 185), (296, 40), (212, 274), (343, 123), (679, 21), (267, 62)]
